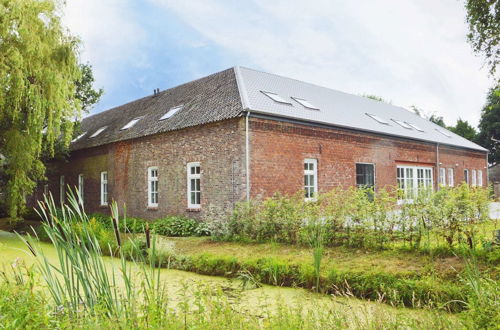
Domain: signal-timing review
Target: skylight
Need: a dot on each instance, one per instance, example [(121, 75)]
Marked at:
[(79, 137), (305, 103), (276, 98), (377, 118), (443, 132), (131, 123), (99, 131), (402, 124), (171, 112), (415, 126)]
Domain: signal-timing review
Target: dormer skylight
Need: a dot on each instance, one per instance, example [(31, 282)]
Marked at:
[(377, 118), (99, 131), (305, 103), (415, 126), (402, 123), (443, 132), (171, 112), (131, 123), (276, 98), (79, 137)]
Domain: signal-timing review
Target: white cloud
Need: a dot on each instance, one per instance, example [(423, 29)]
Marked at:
[(410, 52)]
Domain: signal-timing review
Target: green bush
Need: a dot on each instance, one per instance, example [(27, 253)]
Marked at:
[(126, 224), (175, 227)]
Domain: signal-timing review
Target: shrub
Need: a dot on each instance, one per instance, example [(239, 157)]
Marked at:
[(175, 226)]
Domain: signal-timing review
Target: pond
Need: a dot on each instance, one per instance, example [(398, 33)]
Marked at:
[(253, 301)]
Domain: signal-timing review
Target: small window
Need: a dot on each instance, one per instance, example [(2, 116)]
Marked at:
[(443, 132), (402, 123), (276, 98), (451, 177), (131, 123), (62, 190), (99, 131), (79, 137), (479, 178), (466, 176), (305, 103), (171, 112), (194, 185), (153, 186), (104, 188), (310, 178), (377, 118), (414, 126), (414, 180), (442, 176), (80, 187), (365, 175), (473, 178)]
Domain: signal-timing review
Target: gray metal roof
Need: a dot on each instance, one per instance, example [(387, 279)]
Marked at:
[(229, 93), (337, 108)]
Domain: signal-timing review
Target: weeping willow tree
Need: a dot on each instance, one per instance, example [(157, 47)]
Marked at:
[(38, 74)]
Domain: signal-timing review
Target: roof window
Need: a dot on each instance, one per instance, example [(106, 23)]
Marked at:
[(415, 126), (377, 118), (171, 112), (443, 132), (99, 131), (79, 137), (305, 103), (131, 123), (402, 123), (276, 98)]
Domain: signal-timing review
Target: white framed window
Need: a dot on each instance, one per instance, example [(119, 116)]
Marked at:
[(451, 177), (194, 185), (131, 123), (171, 112), (80, 187), (310, 178), (442, 176), (466, 176), (473, 178), (276, 98), (99, 131), (479, 178), (153, 186), (377, 118), (104, 188), (413, 180), (62, 190)]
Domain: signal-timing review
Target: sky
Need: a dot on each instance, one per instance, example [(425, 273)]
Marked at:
[(409, 52)]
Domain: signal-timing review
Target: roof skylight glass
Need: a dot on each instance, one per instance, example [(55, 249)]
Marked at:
[(402, 124), (79, 137), (276, 98), (415, 126), (377, 118), (444, 133), (99, 131), (131, 123), (171, 112), (305, 103)]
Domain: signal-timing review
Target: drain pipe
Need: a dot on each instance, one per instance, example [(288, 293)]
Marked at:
[(438, 167), (247, 156)]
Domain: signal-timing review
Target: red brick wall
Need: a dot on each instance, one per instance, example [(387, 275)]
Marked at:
[(278, 150), (219, 147)]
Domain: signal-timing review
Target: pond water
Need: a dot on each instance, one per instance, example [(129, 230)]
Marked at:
[(254, 301)]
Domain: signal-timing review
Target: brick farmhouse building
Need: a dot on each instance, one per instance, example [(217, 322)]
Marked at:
[(241, 134)]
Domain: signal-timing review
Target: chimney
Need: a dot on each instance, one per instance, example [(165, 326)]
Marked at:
[(154, 92)]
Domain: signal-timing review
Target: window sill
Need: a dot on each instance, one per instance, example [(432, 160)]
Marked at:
[(103, 206), (152, 208), (190, 209)]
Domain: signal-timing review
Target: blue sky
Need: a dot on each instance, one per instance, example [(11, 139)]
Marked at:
[(411, 52)]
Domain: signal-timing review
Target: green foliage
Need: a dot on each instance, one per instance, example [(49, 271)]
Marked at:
[(483, 17), (464, 129), (85, 91), (489, 125), (175, 226)]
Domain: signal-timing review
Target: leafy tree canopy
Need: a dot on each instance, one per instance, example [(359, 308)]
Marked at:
[(483, 17), (464, 129), (85, 91), (489, 125), (39, 93), (376, 98)]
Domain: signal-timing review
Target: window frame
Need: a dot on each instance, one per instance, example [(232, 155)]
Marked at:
[(81, 186), (62, 190), (473, 178), (193, 176), (104, 189), (442, 176), (314, 172), (151, 192), (414, 182), (480, 178), (374, 175), (466, 176), (451, 177)]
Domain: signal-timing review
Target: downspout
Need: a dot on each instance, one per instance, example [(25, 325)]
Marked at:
[(438, 174), (247, 155)]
